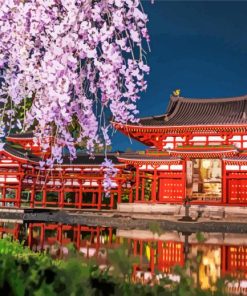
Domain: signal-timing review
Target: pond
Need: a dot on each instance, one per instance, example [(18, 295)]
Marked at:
[(211, 255)]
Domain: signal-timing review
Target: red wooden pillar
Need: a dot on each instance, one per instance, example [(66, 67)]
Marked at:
[(32, 197), (18, 192), (4, 195), (135, 248), (111, 200), (80, 194), (137, 182), (61, 203), (154, 185), (119, 186), (119, 191), (224, 183), (110, 235), (99, 195), (143, 188), (16, 231), (59, 233), (228, 136), (184, 178)]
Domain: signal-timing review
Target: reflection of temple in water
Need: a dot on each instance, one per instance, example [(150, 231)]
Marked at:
[(218, 255)]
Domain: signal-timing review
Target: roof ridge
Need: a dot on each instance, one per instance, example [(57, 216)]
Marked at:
[(21, 153), (168, 115), (210, 100), (28, 134)]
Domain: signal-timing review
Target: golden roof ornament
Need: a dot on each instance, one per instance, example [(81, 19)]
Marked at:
[(176, 93)]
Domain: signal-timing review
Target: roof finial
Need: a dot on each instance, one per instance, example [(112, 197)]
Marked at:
[(176, 93)]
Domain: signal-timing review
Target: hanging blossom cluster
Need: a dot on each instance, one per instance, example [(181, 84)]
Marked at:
[(109, 173), (72, 61)]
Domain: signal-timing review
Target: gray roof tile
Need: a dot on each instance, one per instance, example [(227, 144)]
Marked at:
[(184, 111)]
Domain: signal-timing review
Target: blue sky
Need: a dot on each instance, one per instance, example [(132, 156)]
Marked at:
[(198, 47)]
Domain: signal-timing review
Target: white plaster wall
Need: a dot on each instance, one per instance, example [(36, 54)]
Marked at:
[(215, 138), (230, 167), (176, 167), (163, 167), (235, 138), (197, 138), (9, 179)]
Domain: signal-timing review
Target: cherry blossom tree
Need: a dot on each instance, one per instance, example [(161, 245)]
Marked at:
[(66, 61)]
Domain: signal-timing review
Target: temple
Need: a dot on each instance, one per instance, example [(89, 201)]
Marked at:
[(72, 184), (197, 151)]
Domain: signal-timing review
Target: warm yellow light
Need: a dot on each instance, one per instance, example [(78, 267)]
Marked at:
[(206, 163), (205, 261)]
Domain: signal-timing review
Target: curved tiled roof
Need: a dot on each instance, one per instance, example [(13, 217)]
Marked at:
[(212, 153), (237, 158), (146, 156), (185, 111), (21, 153), (26, 135), (82, 158), (85, 159), (132, 157), (240, 159)]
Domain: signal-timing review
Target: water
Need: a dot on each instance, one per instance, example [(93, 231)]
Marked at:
[(211, 255)]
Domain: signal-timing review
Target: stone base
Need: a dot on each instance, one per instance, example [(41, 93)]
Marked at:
[(168, 209), (206, 211), (208, 238)]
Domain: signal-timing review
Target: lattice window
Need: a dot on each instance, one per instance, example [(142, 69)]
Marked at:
[(171, 190), (237, 260), (237, 191), (169, 255)]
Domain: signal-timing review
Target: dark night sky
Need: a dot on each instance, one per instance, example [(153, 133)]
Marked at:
[(198, 47)]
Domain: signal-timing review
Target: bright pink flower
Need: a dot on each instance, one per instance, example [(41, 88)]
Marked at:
[(75, 59)]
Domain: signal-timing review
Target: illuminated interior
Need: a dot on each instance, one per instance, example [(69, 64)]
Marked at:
[(204, 179)]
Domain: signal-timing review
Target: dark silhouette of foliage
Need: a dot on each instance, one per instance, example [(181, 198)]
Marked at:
[(25, 273)]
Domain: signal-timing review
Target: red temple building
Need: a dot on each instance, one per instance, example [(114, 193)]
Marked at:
[(73, 184), (197, 150)]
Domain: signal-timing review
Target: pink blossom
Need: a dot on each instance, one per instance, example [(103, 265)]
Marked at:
[(74, 63), (109, 173)]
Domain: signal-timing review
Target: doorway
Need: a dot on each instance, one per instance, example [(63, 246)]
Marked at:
[(204, 179)]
